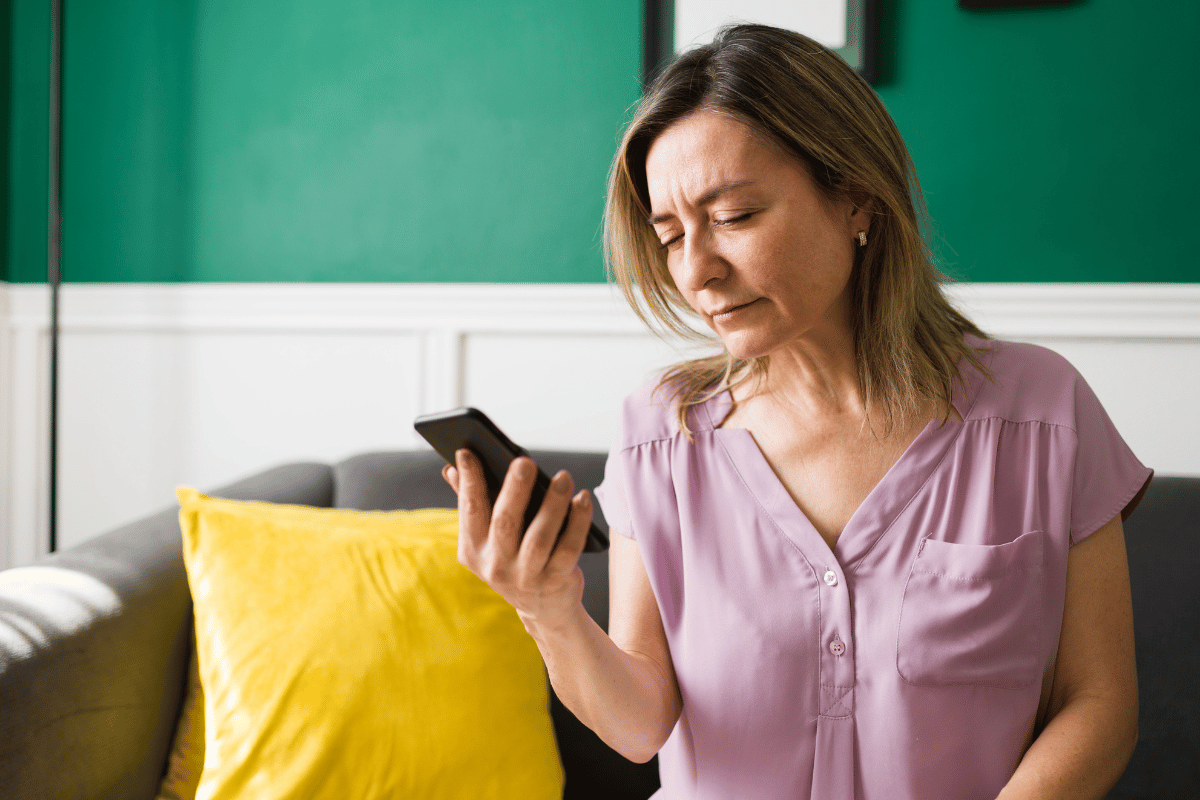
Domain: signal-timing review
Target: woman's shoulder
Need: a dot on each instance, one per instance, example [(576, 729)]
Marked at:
[(650, 413), (1029, 383)]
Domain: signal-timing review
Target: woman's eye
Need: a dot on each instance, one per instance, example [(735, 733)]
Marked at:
[(669, 243), (732, 220)]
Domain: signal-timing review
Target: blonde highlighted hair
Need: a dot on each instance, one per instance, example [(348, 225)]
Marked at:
[(909, 340)]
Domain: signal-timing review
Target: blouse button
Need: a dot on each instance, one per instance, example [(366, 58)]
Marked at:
[(836, 647), (831, 578)]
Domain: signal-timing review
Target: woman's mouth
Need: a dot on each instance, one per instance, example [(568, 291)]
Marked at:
[(729, 313)]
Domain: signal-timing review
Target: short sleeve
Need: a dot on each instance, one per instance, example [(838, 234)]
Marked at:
[(1108, 478), (613, 493), (643, 419)]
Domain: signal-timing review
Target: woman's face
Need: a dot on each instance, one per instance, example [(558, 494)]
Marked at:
[(752, 244)]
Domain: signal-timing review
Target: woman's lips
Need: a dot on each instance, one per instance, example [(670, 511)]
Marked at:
[(731, 312)]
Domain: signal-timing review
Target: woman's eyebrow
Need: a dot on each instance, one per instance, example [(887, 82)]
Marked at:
[(705, 199)]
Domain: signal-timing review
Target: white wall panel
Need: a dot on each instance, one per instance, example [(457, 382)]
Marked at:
[(559, 392), (144, 411), (203, 384)]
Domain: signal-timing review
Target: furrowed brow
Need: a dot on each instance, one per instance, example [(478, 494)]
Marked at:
[(705, 199)]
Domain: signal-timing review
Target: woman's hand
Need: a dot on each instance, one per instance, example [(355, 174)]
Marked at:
[(533, 570), (631, 700)]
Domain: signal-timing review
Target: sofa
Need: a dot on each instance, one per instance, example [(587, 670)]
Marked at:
[(95, 640)]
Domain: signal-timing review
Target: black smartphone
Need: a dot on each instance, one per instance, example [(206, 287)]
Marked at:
[(447, 431)]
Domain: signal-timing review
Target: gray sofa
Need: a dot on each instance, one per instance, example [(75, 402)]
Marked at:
[(93, 652)]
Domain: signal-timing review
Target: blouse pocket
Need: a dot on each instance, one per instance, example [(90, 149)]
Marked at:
[(972, 614)]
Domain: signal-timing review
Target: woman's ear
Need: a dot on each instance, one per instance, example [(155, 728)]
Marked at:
[(861, 212)]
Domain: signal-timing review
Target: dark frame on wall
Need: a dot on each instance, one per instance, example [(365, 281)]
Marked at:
[(985, 4), (658, 26), (658, 37)]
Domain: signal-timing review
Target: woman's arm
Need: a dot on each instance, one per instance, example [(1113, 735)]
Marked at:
[(1093, 713), (622, 687)]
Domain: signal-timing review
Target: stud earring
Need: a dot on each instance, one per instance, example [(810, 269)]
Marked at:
[(862, 238)]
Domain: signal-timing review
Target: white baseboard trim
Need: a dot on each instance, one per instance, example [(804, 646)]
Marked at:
[(394, 350)]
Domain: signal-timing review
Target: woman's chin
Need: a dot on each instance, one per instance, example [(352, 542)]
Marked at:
[(745, 347)]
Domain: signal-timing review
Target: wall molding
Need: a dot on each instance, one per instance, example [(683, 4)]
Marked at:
[(445, 333), (1106, 311), (1077, 311), (328, 307)]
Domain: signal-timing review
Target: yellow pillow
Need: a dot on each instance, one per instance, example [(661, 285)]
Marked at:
[(348, 654)]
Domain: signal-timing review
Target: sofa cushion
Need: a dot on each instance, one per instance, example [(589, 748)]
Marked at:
[(349, 654), (1164, 561)]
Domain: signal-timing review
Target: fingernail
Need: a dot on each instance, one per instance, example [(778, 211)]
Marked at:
[(583, 498), (561, 482)]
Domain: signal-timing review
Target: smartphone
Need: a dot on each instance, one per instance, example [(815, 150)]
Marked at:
[(447, 431)]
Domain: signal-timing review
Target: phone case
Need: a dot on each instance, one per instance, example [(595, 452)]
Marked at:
[(450, 430)]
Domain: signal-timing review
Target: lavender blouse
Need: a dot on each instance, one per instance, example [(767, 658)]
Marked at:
[(908, 661)]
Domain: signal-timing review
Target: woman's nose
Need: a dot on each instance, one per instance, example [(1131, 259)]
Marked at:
[(699, 264)]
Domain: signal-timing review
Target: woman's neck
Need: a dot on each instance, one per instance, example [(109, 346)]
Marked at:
[(814, 376)]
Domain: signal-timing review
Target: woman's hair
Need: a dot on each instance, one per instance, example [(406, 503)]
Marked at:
[(908, 338)]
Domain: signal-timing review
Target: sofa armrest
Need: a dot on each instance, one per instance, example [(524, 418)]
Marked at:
[(94, 643)]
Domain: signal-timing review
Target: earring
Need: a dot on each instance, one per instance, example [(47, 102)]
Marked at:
[(862, 238)]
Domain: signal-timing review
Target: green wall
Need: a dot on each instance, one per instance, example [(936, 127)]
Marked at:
[(26, 112), (1054, 144), (314, 140)]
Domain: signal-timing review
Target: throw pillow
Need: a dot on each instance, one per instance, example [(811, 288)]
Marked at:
[(349, 654)]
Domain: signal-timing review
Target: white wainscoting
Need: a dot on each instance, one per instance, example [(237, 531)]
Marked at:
[(204, 383)]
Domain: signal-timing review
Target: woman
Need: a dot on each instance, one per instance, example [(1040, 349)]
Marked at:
[(862, 553)]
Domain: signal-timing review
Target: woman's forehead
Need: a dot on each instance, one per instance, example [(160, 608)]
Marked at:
[(707, 150), (703, 135)]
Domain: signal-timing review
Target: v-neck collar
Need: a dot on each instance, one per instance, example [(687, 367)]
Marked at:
[(882, 505)]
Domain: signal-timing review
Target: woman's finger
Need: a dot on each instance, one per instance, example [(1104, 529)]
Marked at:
[(542, 535), (508, 514), (474, 508), (450, 476), (565, 557)]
